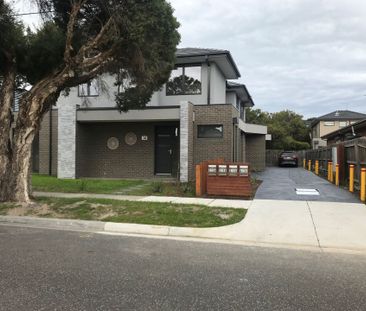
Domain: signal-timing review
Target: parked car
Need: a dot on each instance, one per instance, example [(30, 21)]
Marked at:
[(288, 158)]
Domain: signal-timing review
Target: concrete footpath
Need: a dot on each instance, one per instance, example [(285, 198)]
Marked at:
[(163, 199), (302, 224)]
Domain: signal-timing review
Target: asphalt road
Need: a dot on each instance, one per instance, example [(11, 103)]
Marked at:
[(279, 183), (59, 270)]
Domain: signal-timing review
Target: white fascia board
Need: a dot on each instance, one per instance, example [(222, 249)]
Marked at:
[(252, 128), (100, 115)]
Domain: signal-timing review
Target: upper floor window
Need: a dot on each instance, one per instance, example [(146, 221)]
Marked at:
[(343, 123), (329, 123), (185, 80), (89, 89)]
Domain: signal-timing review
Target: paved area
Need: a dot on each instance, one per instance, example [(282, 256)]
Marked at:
[(318, 224), (279, 183), (60, 270)]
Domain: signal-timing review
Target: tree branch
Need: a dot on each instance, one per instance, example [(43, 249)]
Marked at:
[(96, 42), (70, 30)]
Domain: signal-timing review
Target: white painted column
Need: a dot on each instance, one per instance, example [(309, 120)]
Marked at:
[(184, 141), (66, 166)]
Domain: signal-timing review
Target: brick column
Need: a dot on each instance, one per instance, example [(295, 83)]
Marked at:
[(66, 166)]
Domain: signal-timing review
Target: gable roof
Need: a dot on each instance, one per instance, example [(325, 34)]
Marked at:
[(340, 115), (242, 91), (222, 58)]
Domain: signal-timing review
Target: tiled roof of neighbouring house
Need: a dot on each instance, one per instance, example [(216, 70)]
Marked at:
[(342, 115)]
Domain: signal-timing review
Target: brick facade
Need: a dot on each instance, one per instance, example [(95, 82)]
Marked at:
[(212, 148), (95, 159), (44, 140)]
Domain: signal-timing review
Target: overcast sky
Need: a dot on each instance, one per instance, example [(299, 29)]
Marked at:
[(308, 56)]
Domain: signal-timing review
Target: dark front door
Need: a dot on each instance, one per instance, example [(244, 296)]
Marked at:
[(165, 149)]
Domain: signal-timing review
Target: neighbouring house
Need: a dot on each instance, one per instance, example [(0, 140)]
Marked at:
[(331, 122), (199, 114), (349, 132)]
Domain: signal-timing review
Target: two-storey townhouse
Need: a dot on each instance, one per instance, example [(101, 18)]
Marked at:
[(197, 115)]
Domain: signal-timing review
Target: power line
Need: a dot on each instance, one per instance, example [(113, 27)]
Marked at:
[(32, 13)]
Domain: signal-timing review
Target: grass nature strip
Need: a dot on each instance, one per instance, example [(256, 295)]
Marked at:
[(111, 186), (153, 213)]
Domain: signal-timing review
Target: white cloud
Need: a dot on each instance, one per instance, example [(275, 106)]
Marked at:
[(305, 55)]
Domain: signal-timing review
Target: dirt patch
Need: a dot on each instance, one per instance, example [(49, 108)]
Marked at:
[(32, 210)]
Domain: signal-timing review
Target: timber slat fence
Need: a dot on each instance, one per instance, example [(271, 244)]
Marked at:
[(344, 154), (273, 154)]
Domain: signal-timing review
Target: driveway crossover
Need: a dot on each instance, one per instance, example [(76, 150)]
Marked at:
[(279, 183)]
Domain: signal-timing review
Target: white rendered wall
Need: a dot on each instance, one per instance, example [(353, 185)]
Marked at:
[(66, 159)]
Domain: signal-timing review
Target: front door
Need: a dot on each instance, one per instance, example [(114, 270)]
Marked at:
[(165, 149)]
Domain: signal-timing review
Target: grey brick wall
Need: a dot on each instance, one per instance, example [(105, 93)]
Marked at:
[(44, 144), (95, 159), (256, 151)]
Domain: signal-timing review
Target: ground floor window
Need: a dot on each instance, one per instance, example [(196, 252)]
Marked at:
[(210, 131)]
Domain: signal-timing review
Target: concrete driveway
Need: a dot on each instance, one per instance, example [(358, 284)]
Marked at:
[(279, 183)]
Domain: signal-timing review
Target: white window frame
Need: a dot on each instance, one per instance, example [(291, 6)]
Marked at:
[(91, 87), (329, 123), (343, 123)]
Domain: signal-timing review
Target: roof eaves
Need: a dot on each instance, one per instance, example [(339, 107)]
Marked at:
[(215, 53)]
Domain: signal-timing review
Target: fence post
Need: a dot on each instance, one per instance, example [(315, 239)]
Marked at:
[(317, 167), (198, 180), (330, 171), (351, 178), (363, 185), (337, 175)]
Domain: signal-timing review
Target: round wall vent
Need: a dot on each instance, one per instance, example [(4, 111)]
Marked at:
[(113, 143), (130, 138)]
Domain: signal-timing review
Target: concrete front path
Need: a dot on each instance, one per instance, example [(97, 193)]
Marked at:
[(279, 183), (244, 204)]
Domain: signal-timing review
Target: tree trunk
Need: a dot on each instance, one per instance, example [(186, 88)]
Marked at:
[(17, 176), (32, 107), (6, 102)]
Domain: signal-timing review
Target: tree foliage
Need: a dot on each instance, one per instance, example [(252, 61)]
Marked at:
[(79, 41), (288, 129)]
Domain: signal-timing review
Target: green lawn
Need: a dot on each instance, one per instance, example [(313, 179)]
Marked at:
[(109, 186), (128, 212), (52, 184)]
